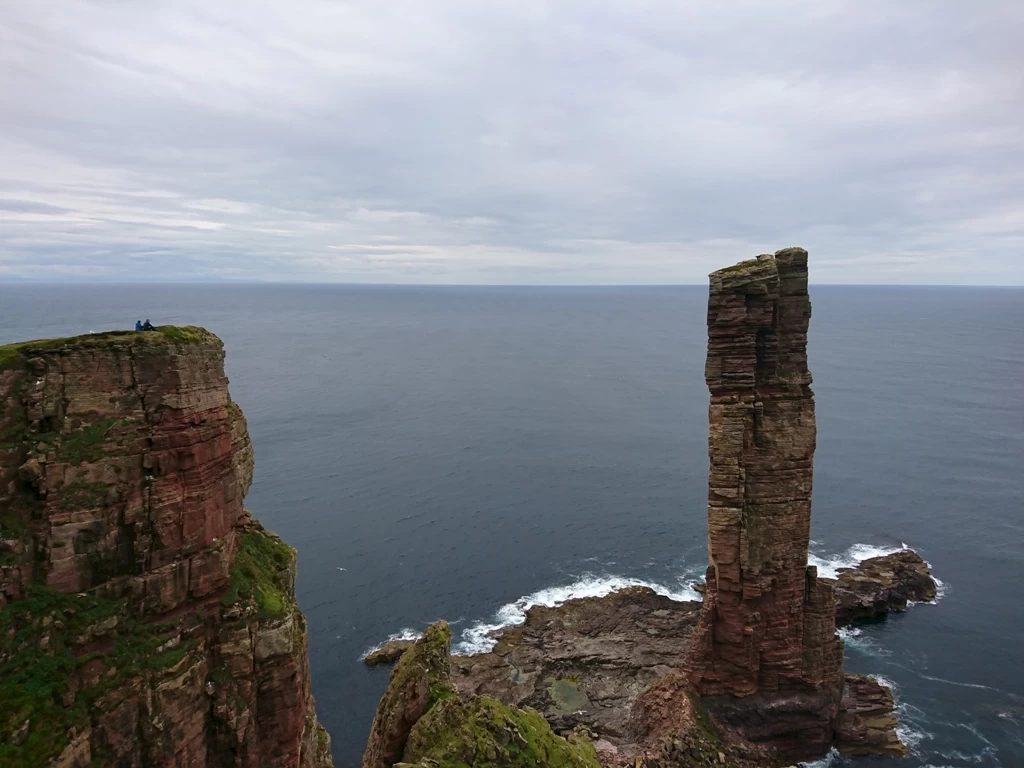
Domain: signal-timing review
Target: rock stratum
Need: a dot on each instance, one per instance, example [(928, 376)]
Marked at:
[(751, 676), (145, 618)]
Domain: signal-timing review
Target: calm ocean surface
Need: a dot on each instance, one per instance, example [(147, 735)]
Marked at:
[(459, 453)]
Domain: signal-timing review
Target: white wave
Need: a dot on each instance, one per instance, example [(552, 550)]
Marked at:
[(829, 760), (940, 589), (828, 565), (855, 639), (480, 638), (402, 634), (910, 720), (888, 684)]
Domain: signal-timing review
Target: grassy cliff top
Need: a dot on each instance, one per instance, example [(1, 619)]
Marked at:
[(163, 335), (743, 268)]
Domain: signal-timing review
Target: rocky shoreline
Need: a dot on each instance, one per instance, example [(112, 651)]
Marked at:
[(753, 674), (586, 662)]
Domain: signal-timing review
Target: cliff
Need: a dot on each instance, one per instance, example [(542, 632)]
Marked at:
[(146, 619)]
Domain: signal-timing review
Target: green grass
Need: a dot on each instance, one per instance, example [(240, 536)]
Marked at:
[(750, 265), (34, 681), (259, 573), (15, 355), (86, 443), (183, 334)]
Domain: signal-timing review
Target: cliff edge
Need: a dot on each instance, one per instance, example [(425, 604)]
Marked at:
[(145, 618)]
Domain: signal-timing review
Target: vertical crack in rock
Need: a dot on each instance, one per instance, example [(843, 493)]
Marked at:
[(765, 658)]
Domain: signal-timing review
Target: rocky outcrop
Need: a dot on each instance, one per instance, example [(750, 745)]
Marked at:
[(424, 721), (765, 657), (149, 621), (882, 585), (417, 682), (867, 720), (586, 661), (388, 653)]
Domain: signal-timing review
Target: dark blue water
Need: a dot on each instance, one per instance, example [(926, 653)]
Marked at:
[(456, 449)]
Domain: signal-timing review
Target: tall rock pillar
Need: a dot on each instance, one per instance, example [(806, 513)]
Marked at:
[(765, 658)]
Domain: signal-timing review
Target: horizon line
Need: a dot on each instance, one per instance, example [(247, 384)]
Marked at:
[(332, 283)]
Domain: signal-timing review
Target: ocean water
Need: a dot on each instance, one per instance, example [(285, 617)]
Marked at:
[(462, 453)]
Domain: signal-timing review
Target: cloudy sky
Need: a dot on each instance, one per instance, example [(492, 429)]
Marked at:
[(511, 141)]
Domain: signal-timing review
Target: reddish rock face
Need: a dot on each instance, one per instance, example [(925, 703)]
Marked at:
[(765, 657), (125, 463), (123, 470), (867, 721)]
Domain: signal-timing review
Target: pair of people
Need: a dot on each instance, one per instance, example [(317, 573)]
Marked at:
[(140, 326)]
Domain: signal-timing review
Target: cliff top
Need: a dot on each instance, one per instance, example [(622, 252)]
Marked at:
[(760, 266), (163, 335)]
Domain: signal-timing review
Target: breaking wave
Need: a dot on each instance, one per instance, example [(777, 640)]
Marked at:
[(828, 761), (828, 565), (480, 636), (402, 634)]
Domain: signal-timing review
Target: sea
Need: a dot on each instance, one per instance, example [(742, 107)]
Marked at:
[(466, 452)]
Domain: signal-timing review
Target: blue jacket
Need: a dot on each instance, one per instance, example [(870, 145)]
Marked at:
[(138, 325)]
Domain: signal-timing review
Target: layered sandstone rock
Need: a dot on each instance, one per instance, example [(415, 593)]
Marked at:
[(867, 720), (148, 620), (765, 658)]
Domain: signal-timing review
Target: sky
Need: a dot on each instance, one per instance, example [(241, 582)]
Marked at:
[(511, 141)]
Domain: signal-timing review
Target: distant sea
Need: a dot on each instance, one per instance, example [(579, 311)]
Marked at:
[(462, 453)]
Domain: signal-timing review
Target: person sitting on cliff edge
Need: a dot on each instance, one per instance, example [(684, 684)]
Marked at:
[(147, 326), (138, 325)]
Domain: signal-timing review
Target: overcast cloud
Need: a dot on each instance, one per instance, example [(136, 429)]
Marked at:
[(511, 141)]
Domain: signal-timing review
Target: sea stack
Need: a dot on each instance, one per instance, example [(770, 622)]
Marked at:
[(765, 657)]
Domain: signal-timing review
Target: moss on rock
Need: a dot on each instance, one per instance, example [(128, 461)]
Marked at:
[(423, 720), (45, 688), (262, 572), (483, 732)]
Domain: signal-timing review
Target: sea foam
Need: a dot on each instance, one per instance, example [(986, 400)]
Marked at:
[(480, 636)]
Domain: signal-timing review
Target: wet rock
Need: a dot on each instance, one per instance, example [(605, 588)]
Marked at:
[(867, 719), (880, 585), (586, 661), (388, 653)]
